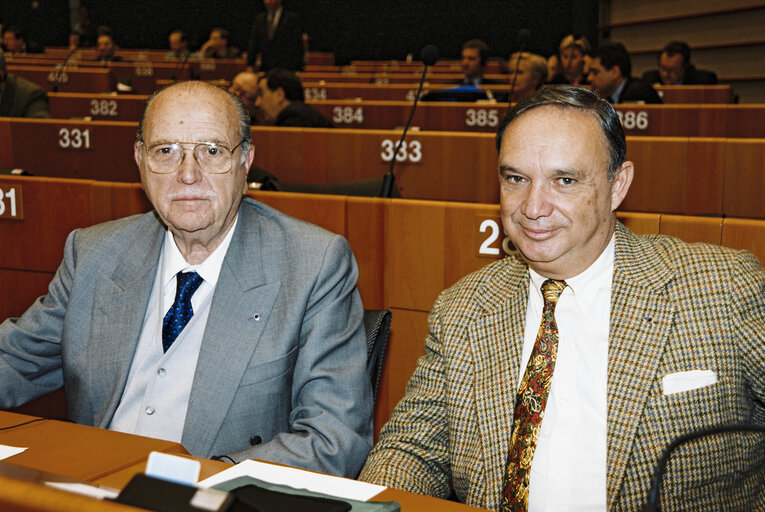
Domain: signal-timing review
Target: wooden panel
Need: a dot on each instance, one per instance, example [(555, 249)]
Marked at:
[(641, 223), (323, 210), (99, 107), (703, 189), (692, 229), (439, 165), (659, 182), (88, 453), (52, 208), (695, 93), (20, 288), (366, 234), (745, 234), (21, 496), (74, 149), (744, 186), (72, 80)]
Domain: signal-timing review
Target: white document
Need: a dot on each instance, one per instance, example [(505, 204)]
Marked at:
[(298, 479), (174, 468), (9, 451), (687, 381), (94, 491)]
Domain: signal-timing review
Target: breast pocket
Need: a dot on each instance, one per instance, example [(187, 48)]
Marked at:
[(263, 371)]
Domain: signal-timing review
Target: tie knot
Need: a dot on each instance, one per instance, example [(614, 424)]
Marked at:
[(552, 289), (188, 282)]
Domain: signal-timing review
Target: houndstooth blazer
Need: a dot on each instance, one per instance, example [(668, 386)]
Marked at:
[(674, 307)]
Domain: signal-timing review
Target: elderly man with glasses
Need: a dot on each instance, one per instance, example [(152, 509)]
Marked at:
[(214, 321)]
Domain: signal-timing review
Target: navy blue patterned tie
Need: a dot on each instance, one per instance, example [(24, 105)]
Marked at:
[(181, 311)]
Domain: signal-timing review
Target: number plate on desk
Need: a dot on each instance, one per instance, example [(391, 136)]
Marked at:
[(11, 203), (74, 138), (410, 151), (490, 239)]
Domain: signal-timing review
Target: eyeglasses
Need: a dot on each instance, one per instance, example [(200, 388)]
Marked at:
[(167, 157)]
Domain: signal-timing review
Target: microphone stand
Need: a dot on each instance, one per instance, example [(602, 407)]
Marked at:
[(653, 495), (57, 79), (427, 56)]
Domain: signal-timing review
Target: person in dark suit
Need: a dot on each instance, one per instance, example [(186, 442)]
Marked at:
[(105, 47), (609, 75), (214, 321), (281, 101), (19, 97), (572, 51), (675, 68), (648, 338), (276, 39), (218, 47), (15, 41), (475, 54)]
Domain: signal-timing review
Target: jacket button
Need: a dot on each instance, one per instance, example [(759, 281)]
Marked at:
[(255, 440)]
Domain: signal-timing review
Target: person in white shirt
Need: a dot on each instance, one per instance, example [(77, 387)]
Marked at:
[(564, 399)]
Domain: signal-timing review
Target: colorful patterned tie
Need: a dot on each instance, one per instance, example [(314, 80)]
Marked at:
[(181, 311), (530, 404)]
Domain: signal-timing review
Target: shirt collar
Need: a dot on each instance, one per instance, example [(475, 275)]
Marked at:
[(586, 285), (174, 262), (617, 95)]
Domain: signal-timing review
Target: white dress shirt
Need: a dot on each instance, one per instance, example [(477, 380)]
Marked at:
[(568, 472), (156, 395)]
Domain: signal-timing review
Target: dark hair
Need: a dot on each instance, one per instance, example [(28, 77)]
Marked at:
[(244, 115), (675, 47), (184, 38), (104, 30), (288, 81), (614, 54), (17, 32), (483, 49), (584, 100)]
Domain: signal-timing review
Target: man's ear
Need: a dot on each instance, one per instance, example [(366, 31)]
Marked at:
[(280, 95), (621, 183), (138, 153)]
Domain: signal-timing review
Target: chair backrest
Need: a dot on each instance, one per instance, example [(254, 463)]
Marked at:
[(377, 324)]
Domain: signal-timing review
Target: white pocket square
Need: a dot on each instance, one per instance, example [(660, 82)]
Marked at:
[(687, 381)]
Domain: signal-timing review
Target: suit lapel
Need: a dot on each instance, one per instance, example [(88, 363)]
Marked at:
[(239, 314), (641, 319), (496, 340), (121, 296)]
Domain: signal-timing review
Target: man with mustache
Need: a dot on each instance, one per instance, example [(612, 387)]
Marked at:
[(214, 321)]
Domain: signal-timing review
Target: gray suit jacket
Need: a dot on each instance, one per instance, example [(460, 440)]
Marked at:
[(295, 376)]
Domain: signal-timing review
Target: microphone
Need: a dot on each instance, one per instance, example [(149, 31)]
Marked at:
[(523, 37), (57, 79), (652, 505), (428, 56)]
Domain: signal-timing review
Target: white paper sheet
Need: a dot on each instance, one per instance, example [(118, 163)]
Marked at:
[(298, 479), (88, 490), (9, 451)]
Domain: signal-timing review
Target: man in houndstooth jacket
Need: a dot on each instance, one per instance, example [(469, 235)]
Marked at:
[(657, 338)]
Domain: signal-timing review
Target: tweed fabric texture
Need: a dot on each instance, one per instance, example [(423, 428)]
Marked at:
[(530, 403), (674, 307)]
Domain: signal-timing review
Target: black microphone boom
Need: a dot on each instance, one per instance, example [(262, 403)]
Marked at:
[(652, 505), (57, 79), (429, 56)]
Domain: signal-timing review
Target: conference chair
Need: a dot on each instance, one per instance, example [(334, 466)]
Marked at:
[(377, 324)]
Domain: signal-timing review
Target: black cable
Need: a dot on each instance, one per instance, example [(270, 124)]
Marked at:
[(22, 424)]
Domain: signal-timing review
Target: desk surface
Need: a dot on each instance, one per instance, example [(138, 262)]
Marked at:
[(109, 458)]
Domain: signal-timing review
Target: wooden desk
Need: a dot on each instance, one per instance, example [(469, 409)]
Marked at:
[(70, 80), (113, 458)]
